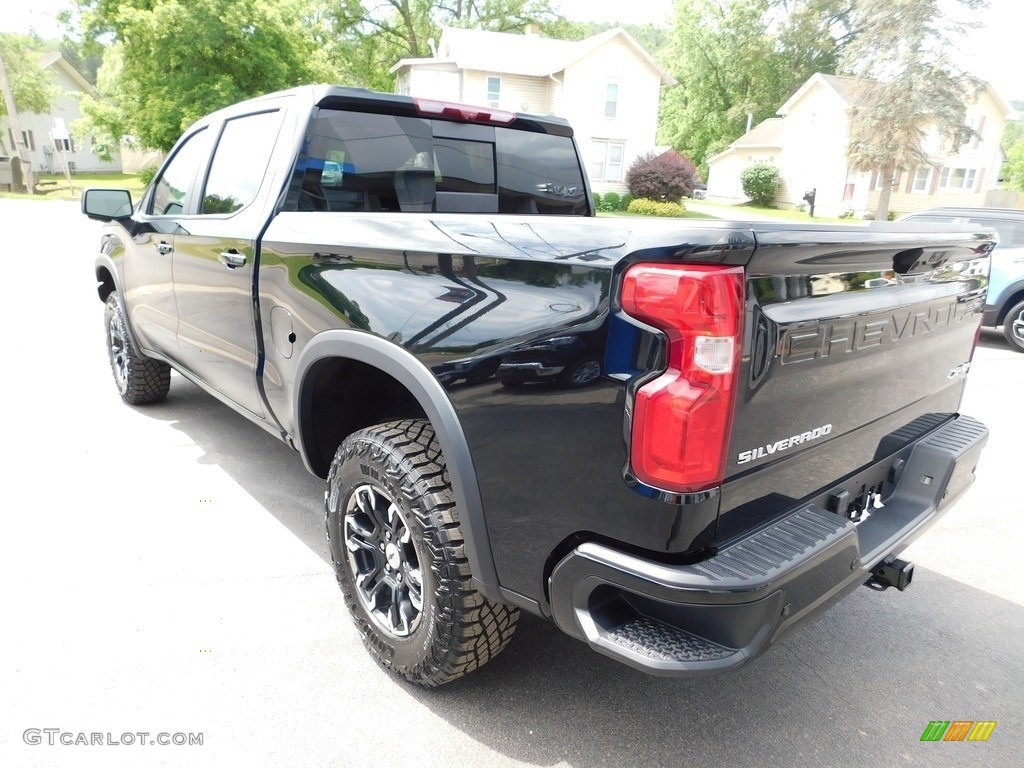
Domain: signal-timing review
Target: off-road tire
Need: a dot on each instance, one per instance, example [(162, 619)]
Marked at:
[(456, 629), (139, 379), (1013, 327)]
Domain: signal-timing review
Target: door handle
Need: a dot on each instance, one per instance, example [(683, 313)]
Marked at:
[(163, 248), (232, 259)]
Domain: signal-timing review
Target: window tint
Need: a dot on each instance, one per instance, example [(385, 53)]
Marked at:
[(170, 198), (240, 162), (464, 166), (354, 159), (358, 161), (539, 173)]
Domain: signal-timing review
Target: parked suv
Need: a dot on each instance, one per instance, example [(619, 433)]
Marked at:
[(1005, 304)]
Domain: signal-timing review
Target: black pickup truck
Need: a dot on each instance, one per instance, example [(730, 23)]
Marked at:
[(675, 439)]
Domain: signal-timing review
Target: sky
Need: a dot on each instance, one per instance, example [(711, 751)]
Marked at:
[(986, 52)]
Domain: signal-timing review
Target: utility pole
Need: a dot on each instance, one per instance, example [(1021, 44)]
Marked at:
[(19, 141)]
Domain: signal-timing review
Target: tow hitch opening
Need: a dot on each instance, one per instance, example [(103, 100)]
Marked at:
[(891, 573)]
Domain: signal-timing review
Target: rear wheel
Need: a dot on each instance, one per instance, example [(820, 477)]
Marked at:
[(1013, 326), (139, 379), (400, 557)]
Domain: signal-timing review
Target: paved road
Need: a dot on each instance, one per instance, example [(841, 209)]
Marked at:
[(164, 570)]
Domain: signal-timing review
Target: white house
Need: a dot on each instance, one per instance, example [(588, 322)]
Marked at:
[(38, 129), (606, 86), (808, 142)]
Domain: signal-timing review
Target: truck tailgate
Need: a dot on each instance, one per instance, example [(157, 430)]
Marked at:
[(856, 342)]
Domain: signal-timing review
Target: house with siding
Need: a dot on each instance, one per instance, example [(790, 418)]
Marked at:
[(607, 86), (808, 142), (48, 136)]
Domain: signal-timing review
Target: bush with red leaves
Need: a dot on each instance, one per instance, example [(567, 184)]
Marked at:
[(668, 176)]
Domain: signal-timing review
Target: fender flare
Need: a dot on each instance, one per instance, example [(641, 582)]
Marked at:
[(412, 374), (103, 261)]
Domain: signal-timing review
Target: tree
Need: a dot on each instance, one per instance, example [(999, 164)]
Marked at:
[(668, 176), (911, 87), (734, 58), (367, 41), (1013, 170), (761, 182), (32, 88), (163, 78)]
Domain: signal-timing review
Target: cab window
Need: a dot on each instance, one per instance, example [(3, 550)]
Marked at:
[(240, 162), (172, 194)]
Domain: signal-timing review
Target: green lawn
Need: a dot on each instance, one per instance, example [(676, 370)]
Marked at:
[(58, 190), (788, 214)]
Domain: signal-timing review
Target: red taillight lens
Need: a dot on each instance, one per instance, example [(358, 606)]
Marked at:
[(682, 419)]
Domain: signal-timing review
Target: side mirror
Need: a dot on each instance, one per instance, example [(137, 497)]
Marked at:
[(107, 204)]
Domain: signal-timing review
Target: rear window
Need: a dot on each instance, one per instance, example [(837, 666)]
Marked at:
[(369, 162)]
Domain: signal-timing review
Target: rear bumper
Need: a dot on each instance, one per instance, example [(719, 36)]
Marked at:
[(714, 615)]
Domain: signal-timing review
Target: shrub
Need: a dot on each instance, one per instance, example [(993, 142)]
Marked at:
[(892, 215), (668, 176), (610, 201), (625, 201), (597, 201), (847, 214), (146, 175), (761, 183), (655, 207)]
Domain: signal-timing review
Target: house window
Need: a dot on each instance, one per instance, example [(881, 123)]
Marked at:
[(611, 99), (922, 178), (975, 125), (880, 180), (64, 145), (26, 138), (957, 178), (493, 91), (606, 164)]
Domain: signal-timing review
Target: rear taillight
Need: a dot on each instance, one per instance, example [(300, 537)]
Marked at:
[(682, 419)]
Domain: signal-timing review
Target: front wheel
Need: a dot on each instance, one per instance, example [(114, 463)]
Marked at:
[(400, 557), (1013, 326), (139, 379)]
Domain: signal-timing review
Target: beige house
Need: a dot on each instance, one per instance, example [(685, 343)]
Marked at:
[(49, 136), (606, 86), (809, 140)]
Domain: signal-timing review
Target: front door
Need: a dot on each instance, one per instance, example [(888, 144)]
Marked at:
[(149, 256)]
